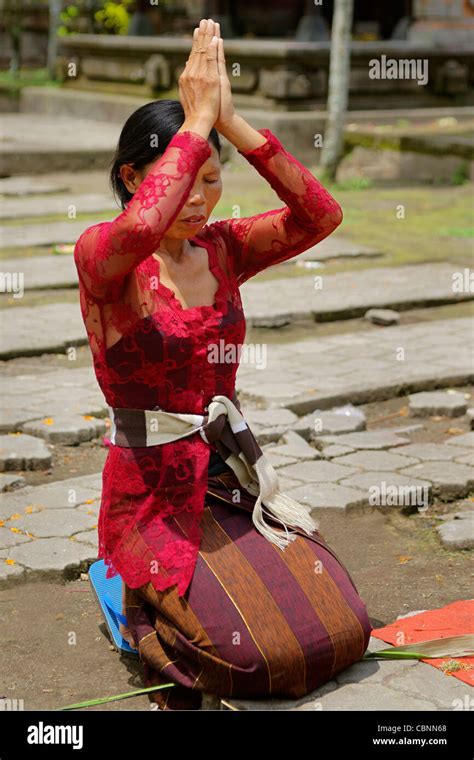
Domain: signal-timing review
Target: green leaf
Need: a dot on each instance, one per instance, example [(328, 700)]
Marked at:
[(451, 646), (103, 700)]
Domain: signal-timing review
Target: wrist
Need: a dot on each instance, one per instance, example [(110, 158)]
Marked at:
[(242, 135), (201, 125), (229, 128)]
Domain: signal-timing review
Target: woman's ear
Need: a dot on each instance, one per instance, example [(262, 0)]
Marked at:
[(131, 178)]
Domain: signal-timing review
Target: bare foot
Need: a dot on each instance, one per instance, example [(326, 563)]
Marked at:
[(127, 635)]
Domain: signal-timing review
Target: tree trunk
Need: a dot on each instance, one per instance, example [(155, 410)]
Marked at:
[(338, 91), (54, 11)]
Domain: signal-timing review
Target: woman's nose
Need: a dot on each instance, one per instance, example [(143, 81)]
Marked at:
[(196, 197)]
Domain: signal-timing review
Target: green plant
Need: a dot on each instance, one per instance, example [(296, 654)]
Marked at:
[(461, 174), (67, 16), (114, 17)]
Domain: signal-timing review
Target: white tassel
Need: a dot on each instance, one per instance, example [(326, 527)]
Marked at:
[(282, 508)]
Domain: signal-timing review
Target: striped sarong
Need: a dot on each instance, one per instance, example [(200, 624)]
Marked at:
[(255, 622)]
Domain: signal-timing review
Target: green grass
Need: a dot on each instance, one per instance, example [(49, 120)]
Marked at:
[(438, 221), (26, 78)]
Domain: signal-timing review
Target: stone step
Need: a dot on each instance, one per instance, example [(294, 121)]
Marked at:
[(52, 205), (40, 272), (284, 300), (31, 235), (358, 368), (55, 143), (34, 330), (50, 328)]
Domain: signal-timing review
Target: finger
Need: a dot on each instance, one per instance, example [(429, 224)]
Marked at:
[(191, 58), (221, 58), (200, 46), (217, 30), (207, 37), (209, 32), (211, 57), (200, 36)]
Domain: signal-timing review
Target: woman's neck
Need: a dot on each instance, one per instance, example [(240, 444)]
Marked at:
[(174, 248)]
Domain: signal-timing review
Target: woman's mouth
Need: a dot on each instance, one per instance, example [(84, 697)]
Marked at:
[(195, 219)]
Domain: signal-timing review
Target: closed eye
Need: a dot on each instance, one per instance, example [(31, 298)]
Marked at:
[(216, 179)]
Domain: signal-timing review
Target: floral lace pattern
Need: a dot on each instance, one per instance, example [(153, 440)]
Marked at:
[(148, 350)]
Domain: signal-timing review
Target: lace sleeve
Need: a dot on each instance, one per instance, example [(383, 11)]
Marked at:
[(310, 214), (106, 252)]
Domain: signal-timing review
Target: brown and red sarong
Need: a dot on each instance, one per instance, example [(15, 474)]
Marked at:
[(255, 622)]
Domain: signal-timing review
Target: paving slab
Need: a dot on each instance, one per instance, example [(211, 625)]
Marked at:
[(34, 330), (368, 459), (329, 422), (391, 489), (40, 272), (293, 445), (55, 394), (431, 403), (58, 495), (269, 424), (55, 143), (459, 532), (31, 235), (23, 452), (432, 452), (54, 558), (334, 247), (49, 529), (69, 431), (451, 481), (366, 439), (319, 299), (329, 496), (362, 367), (461, 440), (334, 450), (317, 472), (66, 204), (22, 186), (49, 523), (387, 685)]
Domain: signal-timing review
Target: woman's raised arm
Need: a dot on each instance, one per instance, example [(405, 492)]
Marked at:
[(311, 213), (106, 252)]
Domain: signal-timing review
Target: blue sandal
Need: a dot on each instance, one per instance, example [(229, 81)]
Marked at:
[(108, 592)]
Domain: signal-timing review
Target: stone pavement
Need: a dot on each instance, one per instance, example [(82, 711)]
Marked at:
[(302, 376), (325, 297), (36, 143), (35, 330), (394, 685), (266, 304), (360, 367), (43, 528), (52, 205)]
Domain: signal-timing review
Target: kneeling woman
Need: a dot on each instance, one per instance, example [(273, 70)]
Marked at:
[(217, 600)]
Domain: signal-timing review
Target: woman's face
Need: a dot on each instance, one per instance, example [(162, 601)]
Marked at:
[(204, 195)]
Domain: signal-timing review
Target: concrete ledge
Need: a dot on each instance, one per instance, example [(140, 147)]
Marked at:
[(296, 129)]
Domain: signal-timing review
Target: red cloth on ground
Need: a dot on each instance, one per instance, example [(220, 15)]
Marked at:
[(453, 620)]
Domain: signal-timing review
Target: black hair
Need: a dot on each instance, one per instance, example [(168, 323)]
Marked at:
[(145, 136)]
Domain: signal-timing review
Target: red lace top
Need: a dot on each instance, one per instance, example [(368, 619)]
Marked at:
[(148, 350)]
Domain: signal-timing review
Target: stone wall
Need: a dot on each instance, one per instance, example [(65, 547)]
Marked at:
[(285, 75)]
